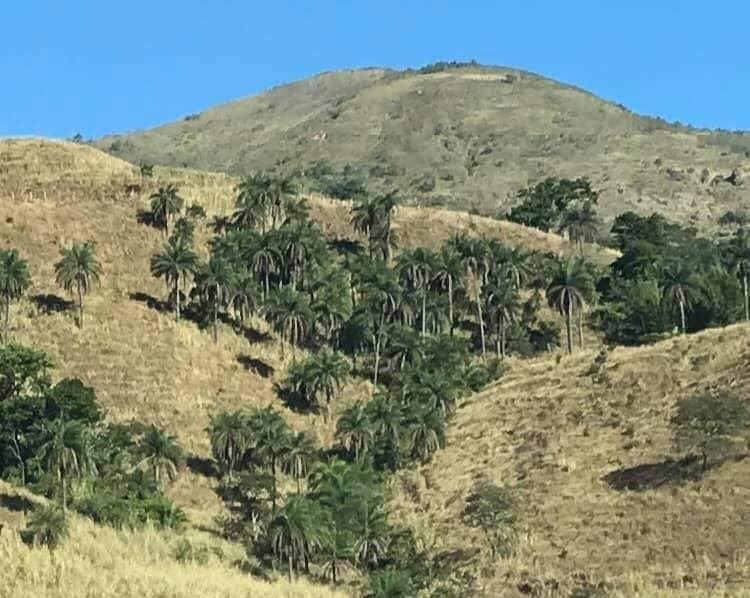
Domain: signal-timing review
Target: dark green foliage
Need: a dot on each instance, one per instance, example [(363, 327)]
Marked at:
[(14, 281), (709, 424), (545, 205), (70, 399), (47, 526), (495, 511), (389, 583)]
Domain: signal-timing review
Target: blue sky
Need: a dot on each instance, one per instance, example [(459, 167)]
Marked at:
[(94, 67)]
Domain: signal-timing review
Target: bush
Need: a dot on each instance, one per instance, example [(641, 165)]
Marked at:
[(47, 527), (187, 552), (709, 424), (494, 510)]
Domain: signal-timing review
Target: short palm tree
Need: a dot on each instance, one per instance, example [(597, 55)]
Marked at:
[(176, 264), (324, 374), (231, 437), (680, 289), (166, 204), (426, 429), (244, 295), (354, 430), (160, 453), (569, 290), (215, 281), (78, 269), (47, 526), (338, 554), (372, 537), (288, 311), (14, 280)]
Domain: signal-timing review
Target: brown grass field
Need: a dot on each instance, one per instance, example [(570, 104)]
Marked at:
[(544, 427)]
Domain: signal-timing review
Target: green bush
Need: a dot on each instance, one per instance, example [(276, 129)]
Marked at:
[(47, 526), (495, 511)]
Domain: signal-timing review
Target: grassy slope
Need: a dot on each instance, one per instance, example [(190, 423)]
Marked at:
[(554, 433), (481, 133)]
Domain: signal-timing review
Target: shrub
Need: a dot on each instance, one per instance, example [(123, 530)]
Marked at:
[(709, 424), (494, 510), (47, 527), (187, 552)]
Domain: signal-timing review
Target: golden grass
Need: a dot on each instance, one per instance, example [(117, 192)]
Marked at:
[(554, 434), (101, 562)]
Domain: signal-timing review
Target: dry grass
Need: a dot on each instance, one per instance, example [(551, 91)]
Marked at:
[(100, 562), (554, 434)]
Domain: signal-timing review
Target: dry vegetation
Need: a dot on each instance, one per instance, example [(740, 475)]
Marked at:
[(548, 429), (473, 136), (100, 562)]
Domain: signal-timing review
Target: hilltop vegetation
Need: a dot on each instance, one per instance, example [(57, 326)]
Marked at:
[(460, 136), (300, 376)]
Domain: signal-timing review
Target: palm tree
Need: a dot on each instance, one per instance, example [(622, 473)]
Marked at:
[(67, 451), (271, 437), (515, 266), (449, 273), (365, 220), (372, 537), (382, 292), (47, 526), (166, 204), (386, 205), (296, 530), (475, 258), (580, 223), (253, 203), (299, 457), (354, 430), (244, 295), (331, 308), (265, 261), (215, 281), (502, 305), (568, 291), (160, 453), (14, 280), (282, 189), (325, 373), (418, 267), (176, 263), (338, 554), (739, 250), (426, 431), (679, 288), (231, 437), (78, 269), (288, 311)]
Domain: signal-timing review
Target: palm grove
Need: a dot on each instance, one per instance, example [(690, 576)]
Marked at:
[(425, 327)]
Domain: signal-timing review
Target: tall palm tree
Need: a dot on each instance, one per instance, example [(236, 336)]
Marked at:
[(67, 451), (231, 437), (418, 268), (449, 274), (166, 204), (296, 530), (568, 291), (354, 430), (288, 311), (680, 288), (515, 266), (739, 250), (476, 258), (503, 305), (176, 264), (271, 438), (325, 373), (386, 205), (78, 269), (253, 203), (160, 453), (365, 220), (215, 281), (14, 280), (299, 457)]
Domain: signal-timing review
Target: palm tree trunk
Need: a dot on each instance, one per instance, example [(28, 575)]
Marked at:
[(377, 345), (177, 298), (450, 302), (497, 339), (747, 299), (6, 326), (291, 569), (80, 304), (424, 312), (64, 493), (682, 316), (580, 327), (568, 325), (481, 322), (273, 484), (333, 571), (502, 338), (216, 322)]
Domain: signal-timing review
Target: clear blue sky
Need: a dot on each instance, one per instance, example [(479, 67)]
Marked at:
[(96, 66)]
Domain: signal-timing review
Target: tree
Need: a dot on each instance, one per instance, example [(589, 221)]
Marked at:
[(580, 222), (288, 311), (215, 281), (449, 274), (325, 373), (271, 438), (78, 269), (679, 288), (418, 268), (503, 305), (709, 424), (354, 430), (544, 203), (14, 280), (494, 510), (231, 437), (299, 457), (389, 583), (160, 453), (296, 530), (476, 260), (176, 264), (386, 204), (244, 295), (47, 526), (67, 452), (166, 204), (265, 262), (568, 291), (365, 220), (739, 257), (426, 429)]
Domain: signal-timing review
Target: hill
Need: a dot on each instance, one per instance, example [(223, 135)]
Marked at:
[(461, 137), (569, 445)]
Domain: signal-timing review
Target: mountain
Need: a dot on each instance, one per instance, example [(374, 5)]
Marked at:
[(460, 136)]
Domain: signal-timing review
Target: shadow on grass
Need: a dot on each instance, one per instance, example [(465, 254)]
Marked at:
[(649, 476), (150, 302), (13, 502), (48, 303), (251, 335), (293, 400), (257, 366), (202, 466), (146, 217)]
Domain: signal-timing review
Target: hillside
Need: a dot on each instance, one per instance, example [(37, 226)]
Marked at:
[(466, 137), (558, 437)]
